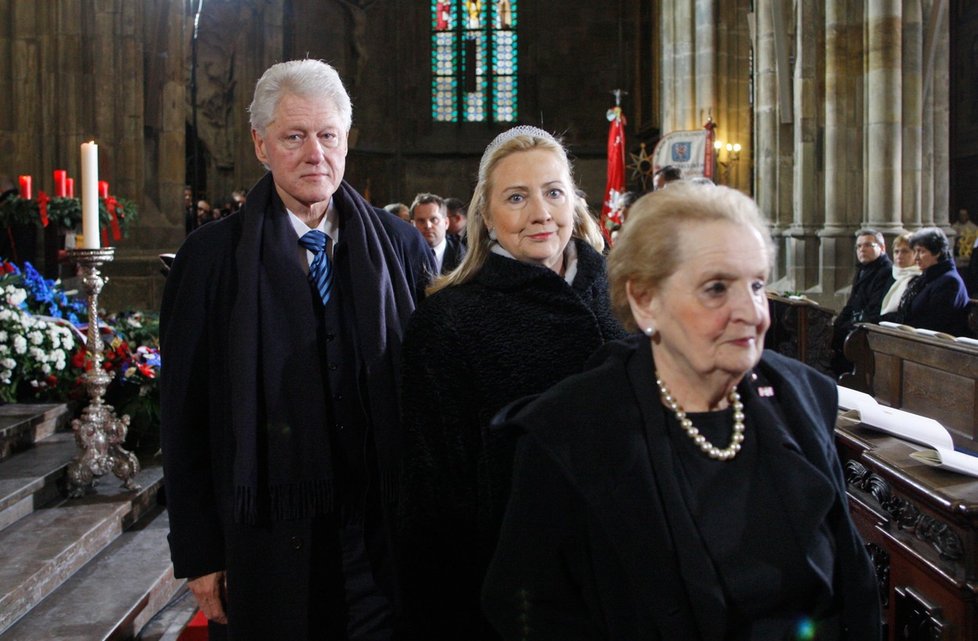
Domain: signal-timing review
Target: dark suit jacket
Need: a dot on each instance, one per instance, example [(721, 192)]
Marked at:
[(869, 286), (454, 253), (597, 543)]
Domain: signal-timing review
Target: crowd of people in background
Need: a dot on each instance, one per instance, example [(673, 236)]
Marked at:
[(199, 213)]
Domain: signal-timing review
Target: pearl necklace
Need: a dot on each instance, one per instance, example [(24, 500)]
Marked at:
[(708, 448)]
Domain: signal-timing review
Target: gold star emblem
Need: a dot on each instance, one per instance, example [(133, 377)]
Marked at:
[(641, 166)]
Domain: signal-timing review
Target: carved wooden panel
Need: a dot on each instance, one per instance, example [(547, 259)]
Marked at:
[(920, 525)]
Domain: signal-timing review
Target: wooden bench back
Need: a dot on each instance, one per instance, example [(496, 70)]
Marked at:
[(934, 377)]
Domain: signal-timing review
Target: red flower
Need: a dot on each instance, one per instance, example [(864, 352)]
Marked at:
[(78, 360)]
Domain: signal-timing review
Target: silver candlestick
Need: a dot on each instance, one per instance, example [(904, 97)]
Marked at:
[(99, 433)]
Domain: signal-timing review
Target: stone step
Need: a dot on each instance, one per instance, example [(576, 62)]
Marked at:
[(170, 622), (111, 597), (24, 424), (42, 550), (31, 479)]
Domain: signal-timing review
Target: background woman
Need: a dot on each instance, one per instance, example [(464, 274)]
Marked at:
[(688, 486), (526, 308), (904, 270), (938, 299)]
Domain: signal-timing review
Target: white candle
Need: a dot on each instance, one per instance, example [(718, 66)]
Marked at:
[(89, 191)]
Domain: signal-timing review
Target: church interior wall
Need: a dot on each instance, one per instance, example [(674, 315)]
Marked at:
[(823, 151)]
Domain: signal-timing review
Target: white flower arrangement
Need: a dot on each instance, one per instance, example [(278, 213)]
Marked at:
[(32, 349)]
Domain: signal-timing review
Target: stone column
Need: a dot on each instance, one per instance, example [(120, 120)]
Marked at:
[(704, 25), (913, 41), (733, 97), (766, 114), (939, 116), (667, 64), (883, 115), (802, 240), (843, 194)]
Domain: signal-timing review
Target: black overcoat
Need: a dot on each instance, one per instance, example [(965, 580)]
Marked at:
[(273, 561), (596, 543), (942, 302), (515, 329)]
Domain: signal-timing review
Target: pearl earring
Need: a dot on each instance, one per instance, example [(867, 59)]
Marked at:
[(492, 234), (649, 331)]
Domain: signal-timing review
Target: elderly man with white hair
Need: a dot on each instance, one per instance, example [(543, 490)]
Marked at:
[(281, 328)]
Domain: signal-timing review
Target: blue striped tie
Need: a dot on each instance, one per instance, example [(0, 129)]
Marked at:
[(321, 270)]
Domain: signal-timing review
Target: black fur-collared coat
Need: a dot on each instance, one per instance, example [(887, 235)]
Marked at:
[(515, 329)]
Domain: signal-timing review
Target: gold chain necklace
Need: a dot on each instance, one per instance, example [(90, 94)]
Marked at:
[(708, 448)]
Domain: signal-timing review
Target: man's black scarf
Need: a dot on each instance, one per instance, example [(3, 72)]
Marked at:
[(282, 458)]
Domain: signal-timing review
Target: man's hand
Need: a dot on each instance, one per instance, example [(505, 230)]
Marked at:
[(209, 590)]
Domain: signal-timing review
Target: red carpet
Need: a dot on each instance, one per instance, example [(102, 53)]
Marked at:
[(196, 630)]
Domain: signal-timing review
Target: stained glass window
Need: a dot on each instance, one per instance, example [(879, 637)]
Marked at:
[(474, 60)]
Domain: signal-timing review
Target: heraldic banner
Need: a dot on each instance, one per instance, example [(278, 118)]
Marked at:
[(691, 151)]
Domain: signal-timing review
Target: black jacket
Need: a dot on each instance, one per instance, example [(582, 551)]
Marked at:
[(941, 302), (197, 330), (597, 543), (515, 329), (454, 253), (869, 286)]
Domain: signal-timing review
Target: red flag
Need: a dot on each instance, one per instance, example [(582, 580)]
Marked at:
[(611, 207)]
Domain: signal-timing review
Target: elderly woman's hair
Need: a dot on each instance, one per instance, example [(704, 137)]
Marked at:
[(515, 140), (304, 78), (647, 249), (933, 240)]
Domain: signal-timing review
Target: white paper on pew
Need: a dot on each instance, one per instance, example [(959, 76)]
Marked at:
[(948, 459), (907, 425), (892, 325), (967, 340), (933, 333)]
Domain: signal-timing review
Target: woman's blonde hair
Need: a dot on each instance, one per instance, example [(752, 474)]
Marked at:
[(647, 249), (902, 239), (509, 142)]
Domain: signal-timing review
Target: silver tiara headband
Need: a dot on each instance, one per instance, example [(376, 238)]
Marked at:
[(509, 134)]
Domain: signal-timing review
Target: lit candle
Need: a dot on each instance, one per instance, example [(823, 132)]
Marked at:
[(60, 183), (70, 187), (25, 187), (103, 189), (89, 190)]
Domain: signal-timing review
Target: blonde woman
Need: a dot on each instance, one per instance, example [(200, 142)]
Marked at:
[(525, 308)]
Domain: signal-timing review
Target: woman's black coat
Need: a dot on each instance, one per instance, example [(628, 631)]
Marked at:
[(515, 329), (941, 303), (597, 544)]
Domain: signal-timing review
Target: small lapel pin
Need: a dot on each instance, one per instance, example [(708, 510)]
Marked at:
[(765, 391)]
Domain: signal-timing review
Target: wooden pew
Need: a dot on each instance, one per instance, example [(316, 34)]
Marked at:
[(802, 329), (920, 523)]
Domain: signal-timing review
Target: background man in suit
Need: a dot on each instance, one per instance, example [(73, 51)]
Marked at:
[(456, 218), (281, 327), (874, 275), (430, 216)]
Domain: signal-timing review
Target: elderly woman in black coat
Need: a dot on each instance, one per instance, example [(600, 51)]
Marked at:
[(687, 487), (527, 307), (937, 299)]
